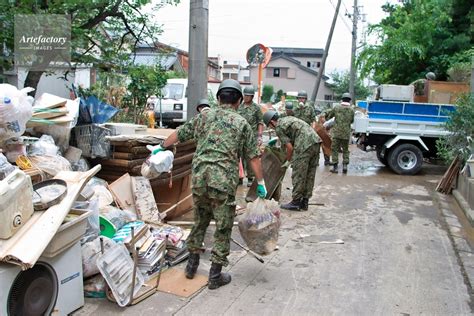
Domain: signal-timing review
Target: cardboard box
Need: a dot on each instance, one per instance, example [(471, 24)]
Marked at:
[(166, 197)]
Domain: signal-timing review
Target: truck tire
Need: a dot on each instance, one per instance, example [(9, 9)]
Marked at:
[(383, 159), (405, 159)]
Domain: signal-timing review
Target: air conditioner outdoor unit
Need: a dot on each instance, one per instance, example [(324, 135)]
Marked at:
[(51, 286)]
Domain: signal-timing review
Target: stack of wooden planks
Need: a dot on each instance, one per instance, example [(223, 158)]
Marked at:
[(129, 155), (445, 185)]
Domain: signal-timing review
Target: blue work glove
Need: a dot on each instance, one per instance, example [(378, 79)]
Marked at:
[(155, 149), (261, 189)]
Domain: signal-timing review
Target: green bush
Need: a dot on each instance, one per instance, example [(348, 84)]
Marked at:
[(461, 127), (267, 93)]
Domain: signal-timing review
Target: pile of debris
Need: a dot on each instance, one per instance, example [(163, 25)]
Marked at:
[(72, 198)]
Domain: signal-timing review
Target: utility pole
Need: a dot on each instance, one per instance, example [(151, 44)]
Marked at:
[(325, 55), (355, 19), (198, 60)]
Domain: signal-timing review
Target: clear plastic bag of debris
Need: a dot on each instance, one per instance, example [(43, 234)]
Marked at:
[(259, 226), (5, 167)]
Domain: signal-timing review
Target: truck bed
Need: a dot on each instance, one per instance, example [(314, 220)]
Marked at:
[(403, 118)]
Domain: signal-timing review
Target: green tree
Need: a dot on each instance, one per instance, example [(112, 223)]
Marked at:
[(103, 32), (340, 85), (279, 94), (416, 37), (267, 93), (461, 127), (145, 81)]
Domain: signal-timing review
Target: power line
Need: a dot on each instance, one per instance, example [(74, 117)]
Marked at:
[(342, 17)]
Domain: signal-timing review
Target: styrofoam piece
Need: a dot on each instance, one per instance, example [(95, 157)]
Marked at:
[(68, 233), (116, 267)]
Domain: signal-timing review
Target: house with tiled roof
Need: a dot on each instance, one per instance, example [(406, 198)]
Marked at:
[(293, 69)]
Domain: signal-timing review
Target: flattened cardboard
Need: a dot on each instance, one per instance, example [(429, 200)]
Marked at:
[(122, 191), (174, 281)]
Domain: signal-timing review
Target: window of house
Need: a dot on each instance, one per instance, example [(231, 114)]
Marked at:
[(226, 75), (327, 97), (234, 76), (308, 64), (318, 64), (276, 72), (247, 78)]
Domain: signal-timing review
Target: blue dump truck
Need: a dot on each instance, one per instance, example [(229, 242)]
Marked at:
[(402, 133)]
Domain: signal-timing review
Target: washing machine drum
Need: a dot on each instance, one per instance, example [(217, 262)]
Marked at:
[(34, 292)]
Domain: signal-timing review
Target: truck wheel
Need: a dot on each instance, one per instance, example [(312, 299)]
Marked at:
[(383, 159), (405, 159)]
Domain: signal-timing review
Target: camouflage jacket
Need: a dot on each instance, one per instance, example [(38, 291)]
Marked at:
[(222, 137), (343, 116), (305, 112), (293, 130), (253, 114)]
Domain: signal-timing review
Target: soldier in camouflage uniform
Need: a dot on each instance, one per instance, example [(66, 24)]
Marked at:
[(302, 149), (250, 111), (222, 137), (341, 131), (288, 109), (304, 111)]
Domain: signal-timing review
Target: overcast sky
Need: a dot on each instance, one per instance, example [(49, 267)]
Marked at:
[(236, 25)]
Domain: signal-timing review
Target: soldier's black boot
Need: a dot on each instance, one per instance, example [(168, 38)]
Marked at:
[(294, 205), (344, 168), (334, 168), (327, 162), (217, 278), (304, 204), (192, 266)]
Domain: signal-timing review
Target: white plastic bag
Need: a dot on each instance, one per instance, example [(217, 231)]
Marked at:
[(157, 164), (90, 253), (15, 111), (259, 226), (329, 123), (44, 146)]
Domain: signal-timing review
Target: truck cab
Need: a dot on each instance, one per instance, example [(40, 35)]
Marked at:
[(172, 107)]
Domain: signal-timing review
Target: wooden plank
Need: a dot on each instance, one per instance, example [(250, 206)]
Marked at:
[(184, 159), (129, 156), (133, 150), (121, 162)]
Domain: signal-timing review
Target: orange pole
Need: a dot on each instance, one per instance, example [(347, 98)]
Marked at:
[(260, 68)]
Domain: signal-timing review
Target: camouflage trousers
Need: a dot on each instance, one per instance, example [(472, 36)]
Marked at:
[(304, 171), (337, 145), (247, 168), (211, 204)]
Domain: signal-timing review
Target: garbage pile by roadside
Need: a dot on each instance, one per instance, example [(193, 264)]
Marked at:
[(82, 207)]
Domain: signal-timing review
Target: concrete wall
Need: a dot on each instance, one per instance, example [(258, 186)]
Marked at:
[(465, 186), (303, 80), (55, 83)]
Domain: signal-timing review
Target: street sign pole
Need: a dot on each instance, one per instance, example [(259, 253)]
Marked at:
[(260, 82)]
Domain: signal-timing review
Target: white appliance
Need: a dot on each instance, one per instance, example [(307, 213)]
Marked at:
[(52, 286), (393, 92)]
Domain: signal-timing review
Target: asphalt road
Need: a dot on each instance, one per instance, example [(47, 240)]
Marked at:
[(399, 254)]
